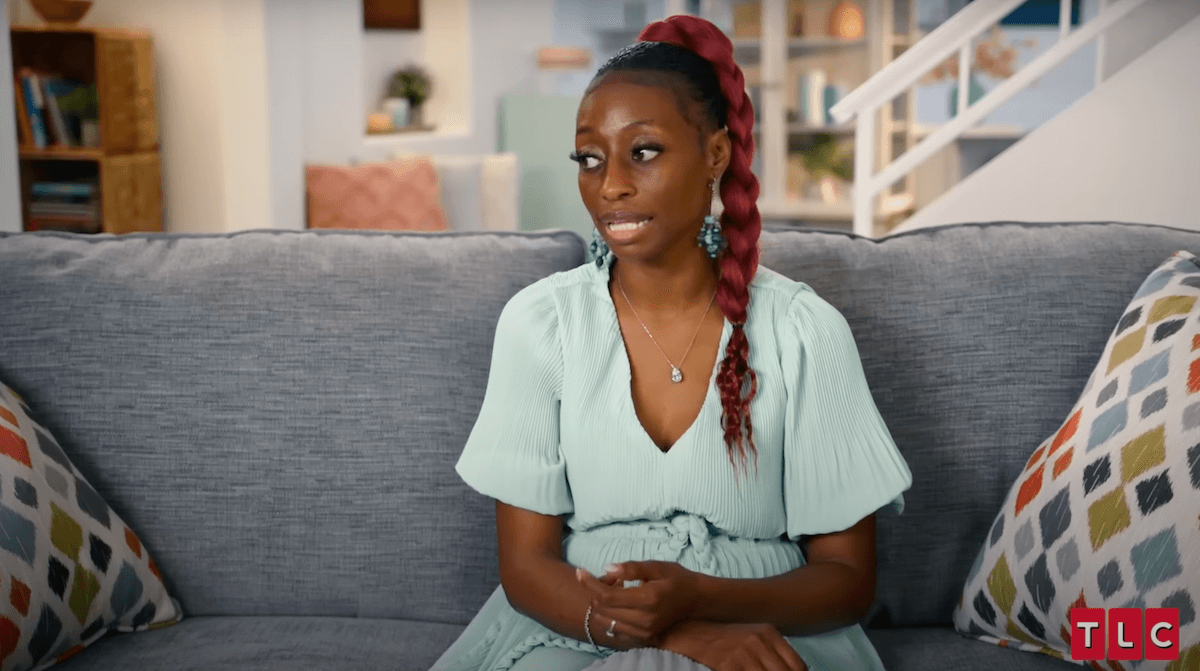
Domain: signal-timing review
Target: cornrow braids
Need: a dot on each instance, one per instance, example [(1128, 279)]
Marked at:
[(700, 58)]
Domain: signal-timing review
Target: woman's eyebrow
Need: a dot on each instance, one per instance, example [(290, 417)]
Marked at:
[(640, 122)]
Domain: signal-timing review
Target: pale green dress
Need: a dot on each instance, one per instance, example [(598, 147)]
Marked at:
[(558, 434)]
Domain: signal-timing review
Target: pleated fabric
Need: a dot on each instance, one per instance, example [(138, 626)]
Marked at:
[(558, 434)]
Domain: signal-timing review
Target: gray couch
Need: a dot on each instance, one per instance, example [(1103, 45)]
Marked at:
[(278, 414)]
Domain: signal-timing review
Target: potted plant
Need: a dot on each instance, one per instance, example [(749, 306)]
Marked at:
[(84, 104), (828, 168), (411, 84)]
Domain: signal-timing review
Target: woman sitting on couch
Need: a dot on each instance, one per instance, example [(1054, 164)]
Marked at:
[(692, 452)]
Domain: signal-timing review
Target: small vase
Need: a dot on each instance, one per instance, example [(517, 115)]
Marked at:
[(398, 109), (416, 118), (975, 91), (846, 21)]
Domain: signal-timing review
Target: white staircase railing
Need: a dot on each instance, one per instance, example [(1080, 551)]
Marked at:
[(955, 34)]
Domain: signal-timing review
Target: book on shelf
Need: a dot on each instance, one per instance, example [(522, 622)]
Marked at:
[(24, 129), (64, 206), (35, 106), (48, 106), (816, 97)]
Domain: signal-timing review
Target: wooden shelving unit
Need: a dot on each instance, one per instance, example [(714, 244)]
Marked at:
[(125, 167)]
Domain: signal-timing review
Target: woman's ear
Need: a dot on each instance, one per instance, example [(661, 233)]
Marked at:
[(717, 151)]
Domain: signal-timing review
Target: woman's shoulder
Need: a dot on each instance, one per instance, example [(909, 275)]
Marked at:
[(790, 303)]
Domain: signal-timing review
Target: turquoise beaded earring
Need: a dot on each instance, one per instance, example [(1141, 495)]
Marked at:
[(710, 237), (598, 248)]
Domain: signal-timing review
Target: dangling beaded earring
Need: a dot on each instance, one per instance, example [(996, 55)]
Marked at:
[(598, 248), (710, 237)]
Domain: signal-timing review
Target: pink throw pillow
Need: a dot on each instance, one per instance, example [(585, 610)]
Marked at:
[(396, 195)]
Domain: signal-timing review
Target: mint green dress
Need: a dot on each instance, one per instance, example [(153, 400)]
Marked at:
[(558, 434)]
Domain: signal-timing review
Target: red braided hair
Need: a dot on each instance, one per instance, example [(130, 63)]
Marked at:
[(740, 222)]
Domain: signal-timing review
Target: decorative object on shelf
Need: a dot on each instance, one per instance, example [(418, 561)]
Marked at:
[(994, 56), (380, 122), (828, 169), (83, 103), (846, 21), (392, 14), (411, 83), (397, 109), (61, 11), (811, 93), (563, 58)]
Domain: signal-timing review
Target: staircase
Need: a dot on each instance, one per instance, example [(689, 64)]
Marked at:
[(954, 36)]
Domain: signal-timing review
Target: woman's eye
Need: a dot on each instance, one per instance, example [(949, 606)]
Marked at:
[(645, 153), (586, 161)]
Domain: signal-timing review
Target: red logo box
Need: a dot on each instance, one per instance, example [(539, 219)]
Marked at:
[(1087, 634), (1162, 634), (1124, 634)]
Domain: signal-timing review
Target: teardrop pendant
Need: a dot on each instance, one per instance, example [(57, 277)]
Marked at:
[(676, 374)]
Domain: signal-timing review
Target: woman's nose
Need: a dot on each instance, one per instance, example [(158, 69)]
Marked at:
[(616, 182)]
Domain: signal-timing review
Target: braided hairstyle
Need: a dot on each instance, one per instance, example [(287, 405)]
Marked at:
[(695, 60)]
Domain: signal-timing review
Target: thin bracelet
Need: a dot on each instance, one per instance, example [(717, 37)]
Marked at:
[(587, 629)]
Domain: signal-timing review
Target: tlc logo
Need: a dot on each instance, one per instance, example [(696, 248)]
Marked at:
[(1125, 632)]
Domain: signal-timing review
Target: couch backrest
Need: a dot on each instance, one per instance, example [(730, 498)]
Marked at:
[(976, 340), (277, 414)]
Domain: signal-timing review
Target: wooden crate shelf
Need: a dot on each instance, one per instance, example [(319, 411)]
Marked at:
[(125, 167)]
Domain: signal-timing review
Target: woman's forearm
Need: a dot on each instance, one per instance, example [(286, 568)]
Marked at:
[(810, 599), (544, 588)]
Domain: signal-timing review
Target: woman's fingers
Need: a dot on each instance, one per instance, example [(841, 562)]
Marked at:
[(789, 655), (621, 630)]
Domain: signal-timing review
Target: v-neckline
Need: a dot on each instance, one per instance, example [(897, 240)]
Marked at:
[(605, 276)]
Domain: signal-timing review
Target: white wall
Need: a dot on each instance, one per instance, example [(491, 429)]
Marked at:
[(1143, 28), (476, 51), (210, 60), (1127, 151), (10, 196)]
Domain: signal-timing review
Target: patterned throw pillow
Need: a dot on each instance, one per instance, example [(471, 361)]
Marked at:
[(70, 569), (395, 195), (1105, 513)]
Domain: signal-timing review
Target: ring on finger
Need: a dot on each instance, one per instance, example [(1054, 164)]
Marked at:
[(611, 631)]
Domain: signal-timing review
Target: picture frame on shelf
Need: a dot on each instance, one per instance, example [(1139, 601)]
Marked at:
[(392, 14)]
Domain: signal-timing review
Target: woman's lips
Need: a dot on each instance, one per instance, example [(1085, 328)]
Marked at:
[(624, 230)]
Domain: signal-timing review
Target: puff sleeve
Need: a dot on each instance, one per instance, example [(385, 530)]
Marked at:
[(840, 462), (513, 452)]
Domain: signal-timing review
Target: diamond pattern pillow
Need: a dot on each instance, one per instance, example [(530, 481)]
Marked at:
[(70, 569), (1105, 511)]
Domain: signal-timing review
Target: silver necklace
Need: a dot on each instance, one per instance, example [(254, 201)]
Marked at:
[(676, 374)]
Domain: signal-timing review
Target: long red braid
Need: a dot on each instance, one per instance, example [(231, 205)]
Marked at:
[(740, 222)]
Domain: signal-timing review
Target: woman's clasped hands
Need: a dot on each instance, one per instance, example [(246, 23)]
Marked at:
[(658, 611)]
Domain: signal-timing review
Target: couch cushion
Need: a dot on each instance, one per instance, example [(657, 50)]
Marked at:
[(277, 413), (1104, 513), (72, 569), (273, 644), (976, 341), (941, 649)]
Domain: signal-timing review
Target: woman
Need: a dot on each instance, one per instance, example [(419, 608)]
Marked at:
[(690, 503)]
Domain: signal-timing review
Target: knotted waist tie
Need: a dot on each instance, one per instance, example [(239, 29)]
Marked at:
[(678, 533)]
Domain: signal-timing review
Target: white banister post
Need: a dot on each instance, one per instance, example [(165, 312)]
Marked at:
[(674, 7), (864, 172), (1101, 49), (774, 138), (964, 77), (1064, 19)]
